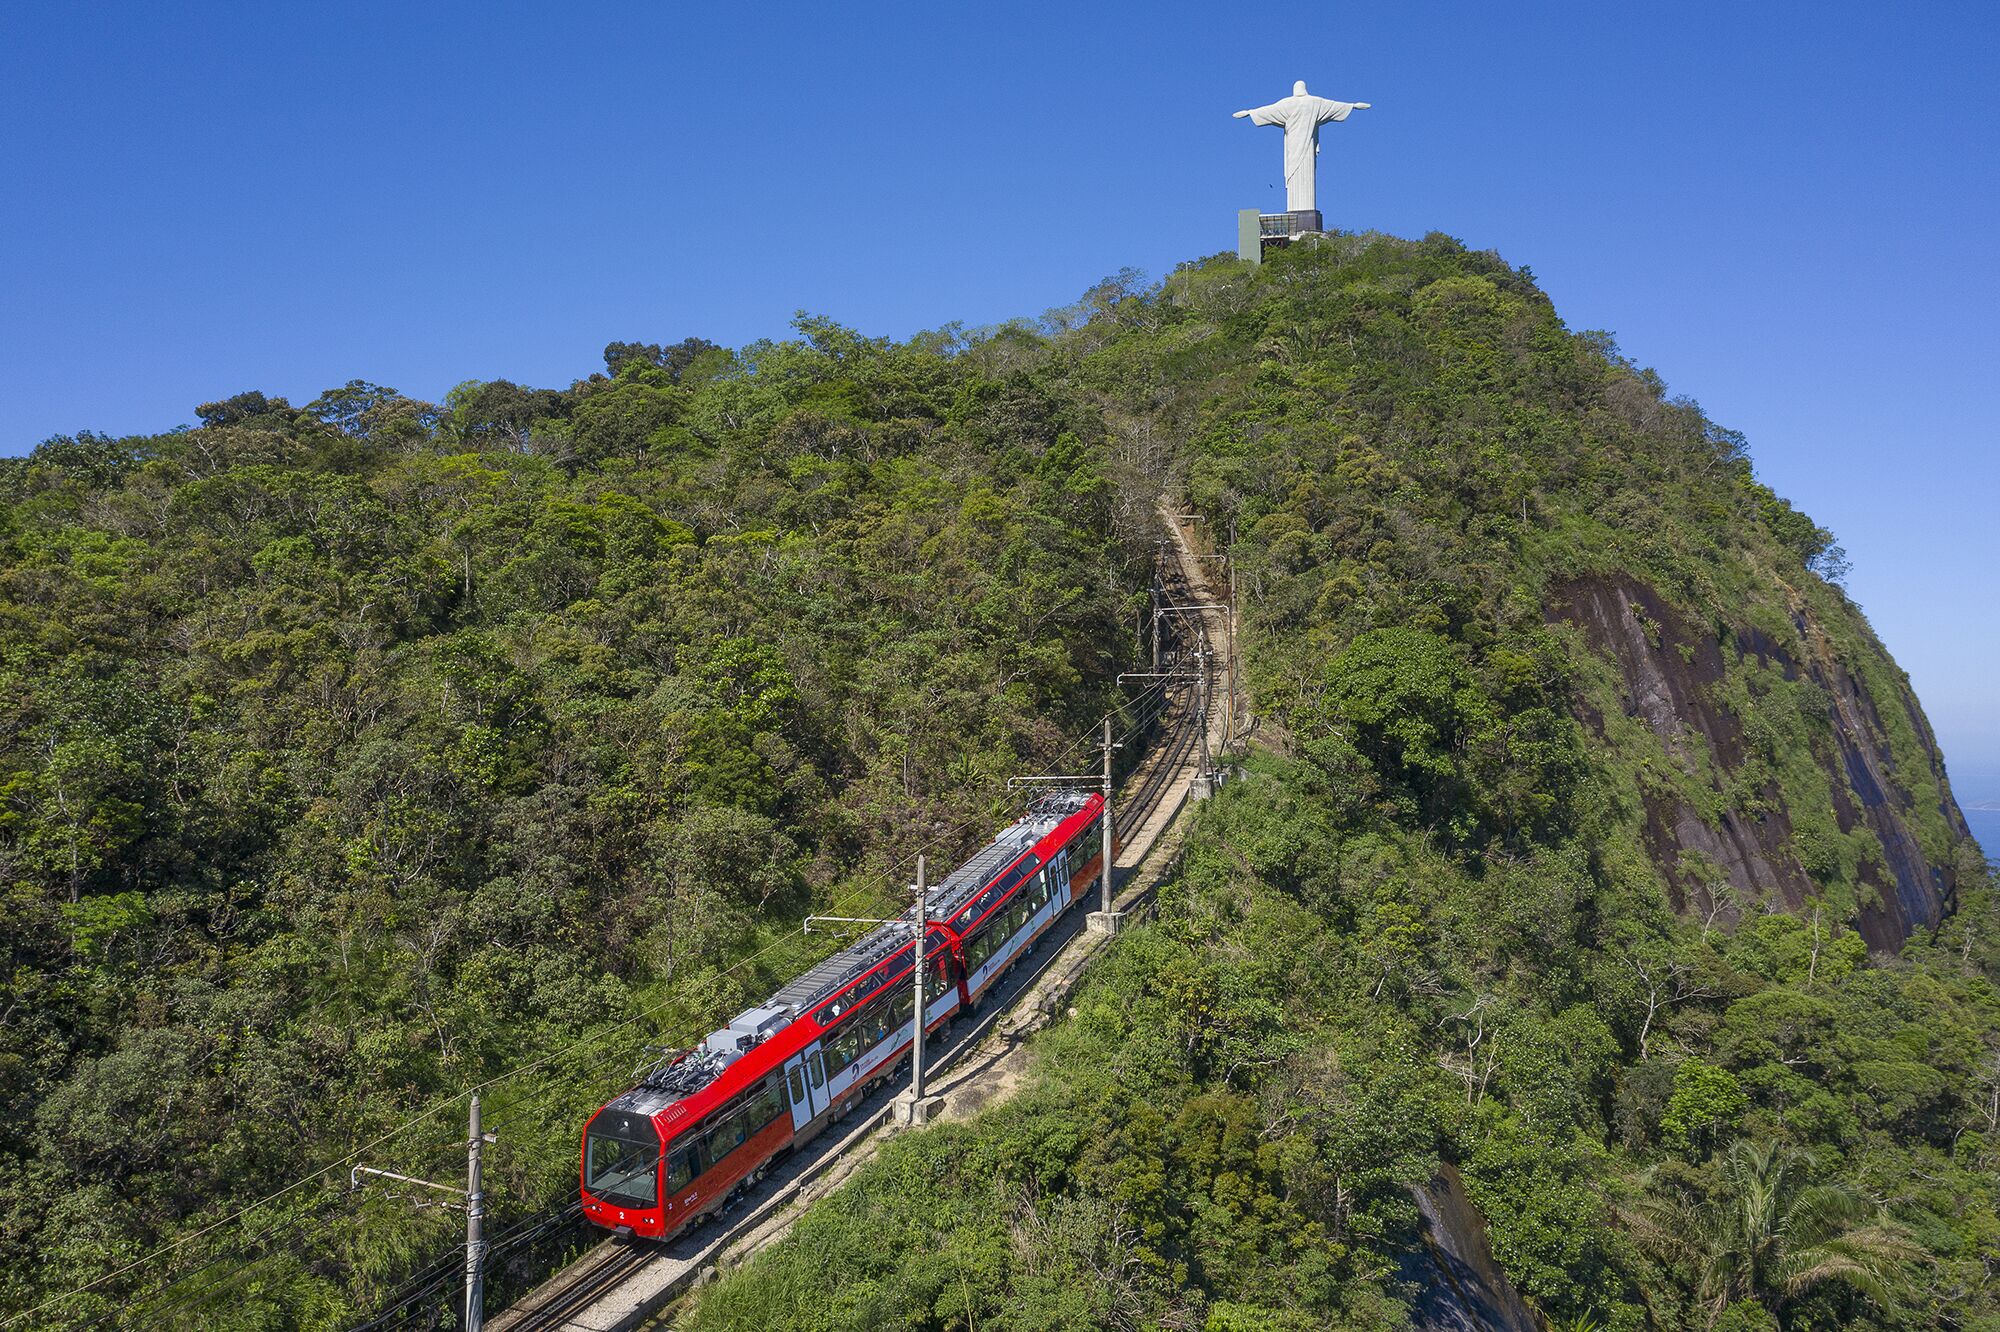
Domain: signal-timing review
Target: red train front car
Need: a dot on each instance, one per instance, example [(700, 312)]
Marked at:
[(708, 1122)]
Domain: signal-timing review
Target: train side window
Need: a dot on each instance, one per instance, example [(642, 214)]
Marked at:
[(729, 1132), (798, 1087), (680, 1170), (770, 1102), (815, 1071), (839, 1049), (860, 1031)]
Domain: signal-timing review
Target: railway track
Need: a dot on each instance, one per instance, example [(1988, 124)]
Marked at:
[(1169, 759), (568, 1302), (598, 1273), (1175, 729)]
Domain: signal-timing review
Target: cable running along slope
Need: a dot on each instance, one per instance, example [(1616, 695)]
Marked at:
[(858, 894)]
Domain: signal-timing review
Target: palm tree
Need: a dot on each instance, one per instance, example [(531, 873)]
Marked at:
[(1770, 1234), (1294, 344)]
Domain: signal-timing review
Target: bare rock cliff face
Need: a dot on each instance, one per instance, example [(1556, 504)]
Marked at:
[(1724, 817), (1460, 1288)]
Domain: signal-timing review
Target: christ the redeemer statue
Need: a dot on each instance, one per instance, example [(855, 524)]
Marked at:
[(1301, 114)]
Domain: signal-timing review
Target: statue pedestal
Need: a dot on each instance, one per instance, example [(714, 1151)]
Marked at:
[(1284, 226), (1257, 232)]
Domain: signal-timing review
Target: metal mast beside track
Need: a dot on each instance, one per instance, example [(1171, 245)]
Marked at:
[(1104, 919), (913, 1107), (475, 1214)]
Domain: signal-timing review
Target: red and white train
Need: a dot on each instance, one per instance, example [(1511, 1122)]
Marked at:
[(677, 1146)]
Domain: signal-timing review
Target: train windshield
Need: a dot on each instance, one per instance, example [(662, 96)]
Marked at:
[(621, 1159)]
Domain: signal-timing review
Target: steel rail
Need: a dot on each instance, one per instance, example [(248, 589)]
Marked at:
[(610, 1265), (614, 1261)]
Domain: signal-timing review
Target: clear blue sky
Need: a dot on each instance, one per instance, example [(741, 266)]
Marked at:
[(1786, 208)]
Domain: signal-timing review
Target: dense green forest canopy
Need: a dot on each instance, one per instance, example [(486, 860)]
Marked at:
[(1524, 635), (358, 754)]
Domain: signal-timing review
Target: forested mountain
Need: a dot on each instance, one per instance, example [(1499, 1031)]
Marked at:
[(1591, 854), (1590, 849), (359, 753)]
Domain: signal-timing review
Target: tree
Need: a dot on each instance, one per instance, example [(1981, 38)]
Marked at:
[(1769, 1234), (348, 407), (674, 358), (95, 460), (1706, 1100), (241, 407), (1409, 702)]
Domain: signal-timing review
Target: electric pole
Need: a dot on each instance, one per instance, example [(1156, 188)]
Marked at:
[(923, 932), (1157, 599), (1104, 919), (913, 1107), (475, 1230), (1205, 776), (1104, 900), (475, 1214)]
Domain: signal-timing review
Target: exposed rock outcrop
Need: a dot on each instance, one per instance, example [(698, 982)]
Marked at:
[(1459, 1286), (1673, 678)]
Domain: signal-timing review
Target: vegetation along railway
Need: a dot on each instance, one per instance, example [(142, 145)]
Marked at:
[(743, 1118)]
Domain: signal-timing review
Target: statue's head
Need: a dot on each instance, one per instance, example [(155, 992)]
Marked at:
[(1299, 88)]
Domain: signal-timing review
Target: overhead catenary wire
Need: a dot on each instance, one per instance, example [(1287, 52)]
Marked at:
[(547, 1217), (1142, 719), (860, 892), (195, 1295), (512, 1112), (434, 1281)]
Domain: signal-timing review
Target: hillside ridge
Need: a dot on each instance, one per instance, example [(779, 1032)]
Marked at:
[(1590, 843)]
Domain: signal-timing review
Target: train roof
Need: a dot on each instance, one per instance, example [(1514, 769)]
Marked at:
[(697, 1068)]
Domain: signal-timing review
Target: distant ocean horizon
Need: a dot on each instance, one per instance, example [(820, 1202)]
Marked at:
[(1985, 825)]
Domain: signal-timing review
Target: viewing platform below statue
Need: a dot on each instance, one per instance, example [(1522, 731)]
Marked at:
[(1257, 231)]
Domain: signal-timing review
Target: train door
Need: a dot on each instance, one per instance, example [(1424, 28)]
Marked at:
[(941, 981), (805, 1080)]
